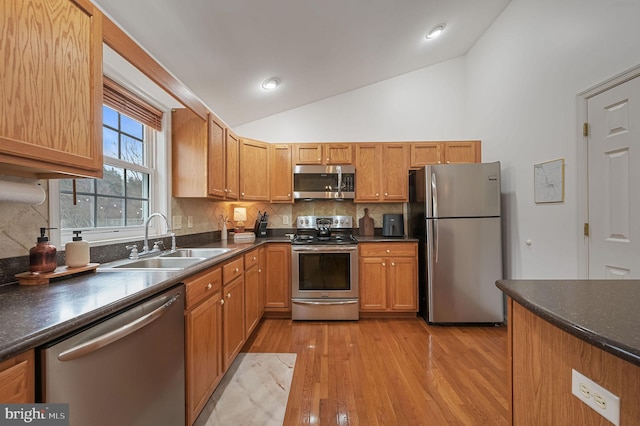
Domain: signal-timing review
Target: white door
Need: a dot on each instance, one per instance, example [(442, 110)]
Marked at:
[(614, 182)]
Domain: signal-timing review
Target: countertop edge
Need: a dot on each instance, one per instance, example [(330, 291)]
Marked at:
[(611, 346)]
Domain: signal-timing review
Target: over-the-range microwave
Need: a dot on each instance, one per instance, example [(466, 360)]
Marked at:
[(324, 182)]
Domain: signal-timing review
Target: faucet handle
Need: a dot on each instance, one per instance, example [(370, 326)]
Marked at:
[(157, 244), (134, 251)]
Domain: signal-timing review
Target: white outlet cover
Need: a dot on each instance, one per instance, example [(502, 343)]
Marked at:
[(177, 222), (588, 391)]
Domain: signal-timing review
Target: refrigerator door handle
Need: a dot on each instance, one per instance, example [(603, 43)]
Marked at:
[(434, 191)]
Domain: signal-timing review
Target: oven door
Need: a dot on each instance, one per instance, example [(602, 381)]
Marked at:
[(325, 282)]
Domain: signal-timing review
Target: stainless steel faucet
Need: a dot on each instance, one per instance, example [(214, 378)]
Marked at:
[(145, 248)]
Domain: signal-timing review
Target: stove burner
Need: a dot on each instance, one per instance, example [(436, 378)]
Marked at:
[(330, 240)]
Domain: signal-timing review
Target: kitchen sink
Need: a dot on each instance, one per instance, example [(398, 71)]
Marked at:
[(197, 252), (154, 263)]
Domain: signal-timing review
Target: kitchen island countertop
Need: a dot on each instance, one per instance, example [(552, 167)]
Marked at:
[(603, 313)]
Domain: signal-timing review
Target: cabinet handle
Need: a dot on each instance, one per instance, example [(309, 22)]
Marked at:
[(386, 194), (254, 258), (388, 251), (319, 159), (237, 269), (226, 190), (448, 162), (327, 160), (393, 263), (228, 295), (377, 194), (289, 195), (221, 301), (209, 286), (260, 270), (384, 264)]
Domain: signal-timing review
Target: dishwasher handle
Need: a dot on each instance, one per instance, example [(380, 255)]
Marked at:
[(96, 343)]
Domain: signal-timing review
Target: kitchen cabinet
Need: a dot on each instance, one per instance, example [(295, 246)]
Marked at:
[(252, 293), (374, 181), (254, 176), (233, 311), (323, 153), (277, 296), (17, 379), (388, 277), (203, 352), (51, 85), (281, 173), (232, 177), (425, 153), (222, 160), (262, 276)]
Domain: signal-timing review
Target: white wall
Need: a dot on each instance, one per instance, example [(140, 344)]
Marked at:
[(516, 91), (428, 103)]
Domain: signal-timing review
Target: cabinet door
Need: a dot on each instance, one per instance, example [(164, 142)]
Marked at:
[(338, 153), (231, 166), (262, 276), (308, 153), (51, 85), (394, 172), (424, 153), (278, 283), (252, 292), (368, 172), (373, 284), (254, 176), (462, 152), (403, 278), (17, 379), (233, 320), (281, 173), (216, 158), (203, 353), (189, 159)]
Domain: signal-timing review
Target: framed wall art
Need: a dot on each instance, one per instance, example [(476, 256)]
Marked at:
[(548, 181)]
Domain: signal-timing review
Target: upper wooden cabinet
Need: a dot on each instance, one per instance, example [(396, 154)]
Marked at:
[(254, 170), (281, 173), (51, 85), (323, 153), (232, 151), (382, 172), (424, 153)]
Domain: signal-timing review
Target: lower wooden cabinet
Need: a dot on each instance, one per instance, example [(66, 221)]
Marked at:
[(278, 278), (17, 379), (388, 277), (233, 328), (203, 334), (253, 294)]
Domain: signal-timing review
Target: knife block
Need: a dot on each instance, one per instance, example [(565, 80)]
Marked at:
[(260, 229)]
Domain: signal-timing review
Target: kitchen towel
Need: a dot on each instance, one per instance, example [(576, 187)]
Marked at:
[(19, 192)]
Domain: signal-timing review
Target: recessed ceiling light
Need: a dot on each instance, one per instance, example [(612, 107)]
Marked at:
[(270, 83), (435, 31)]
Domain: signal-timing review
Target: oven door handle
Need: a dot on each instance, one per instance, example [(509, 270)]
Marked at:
[(325, 249), (328, 302)]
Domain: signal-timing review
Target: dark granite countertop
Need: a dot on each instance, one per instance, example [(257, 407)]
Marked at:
[(603, 313), (381, 239), (31, 316)]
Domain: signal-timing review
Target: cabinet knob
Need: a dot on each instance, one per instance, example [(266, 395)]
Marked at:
[(386, 194), (226, 190), (237, 269), (384, 264), (209, 286), (319, 159), (393, 263), (222, 301), (289, 195), (448, 162), (259, 270), (377, 194), (254, 258), (327, 160), (388, 251), (228, 295), (242, 194)]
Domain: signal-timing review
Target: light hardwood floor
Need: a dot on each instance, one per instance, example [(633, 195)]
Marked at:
[(390, 372)]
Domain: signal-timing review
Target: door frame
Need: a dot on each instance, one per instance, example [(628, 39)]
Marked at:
[(582, 99)]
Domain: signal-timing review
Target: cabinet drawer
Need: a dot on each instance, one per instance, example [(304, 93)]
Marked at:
[(231, 270), (251, 259), (202, 285), (388, 249)]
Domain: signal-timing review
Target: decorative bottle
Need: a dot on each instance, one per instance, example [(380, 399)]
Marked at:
[(77, 252), (42, 257)]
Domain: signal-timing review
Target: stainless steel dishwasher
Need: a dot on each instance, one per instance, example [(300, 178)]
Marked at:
[(126, 370)]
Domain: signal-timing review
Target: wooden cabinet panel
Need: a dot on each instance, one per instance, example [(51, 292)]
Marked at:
[(395, 172), (462, 152), (216, 164), (232, 270), (189, 154), (51, 85), (17, 379), (278, 278), (368, 172), (262, 276), (233, 320), (202, 286), (388, 277), (203, 353), (281, 173), (254, 170), (251, 299), (323, 153), (424, 153), (338, 153), (308, 153), (232, 152)]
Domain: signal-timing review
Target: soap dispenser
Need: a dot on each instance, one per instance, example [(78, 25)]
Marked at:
[(77, 252), (42, 257)]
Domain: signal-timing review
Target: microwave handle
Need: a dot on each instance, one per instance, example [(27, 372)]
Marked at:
[(339, 169)]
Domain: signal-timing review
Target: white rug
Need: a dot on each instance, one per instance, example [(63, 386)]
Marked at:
[(254, 391)]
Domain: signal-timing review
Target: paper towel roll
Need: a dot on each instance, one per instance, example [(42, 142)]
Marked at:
[(19, 192)]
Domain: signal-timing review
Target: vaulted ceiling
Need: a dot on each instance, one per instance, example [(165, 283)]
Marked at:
[(224, 49)]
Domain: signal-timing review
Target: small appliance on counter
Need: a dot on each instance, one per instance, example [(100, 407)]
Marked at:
[(260, 229), (392, 225)]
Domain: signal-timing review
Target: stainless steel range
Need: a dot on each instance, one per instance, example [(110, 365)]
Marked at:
[(324, 269)]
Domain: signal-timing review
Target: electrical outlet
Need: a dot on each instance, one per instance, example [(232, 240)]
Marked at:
[(596, 397), (177, 222), (189, 222), (285, 220)]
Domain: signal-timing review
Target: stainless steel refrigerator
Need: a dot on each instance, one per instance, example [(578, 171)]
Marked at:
[(454, 210)]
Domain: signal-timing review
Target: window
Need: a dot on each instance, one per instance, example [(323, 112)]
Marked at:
[(121, 197), (134, 181)]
